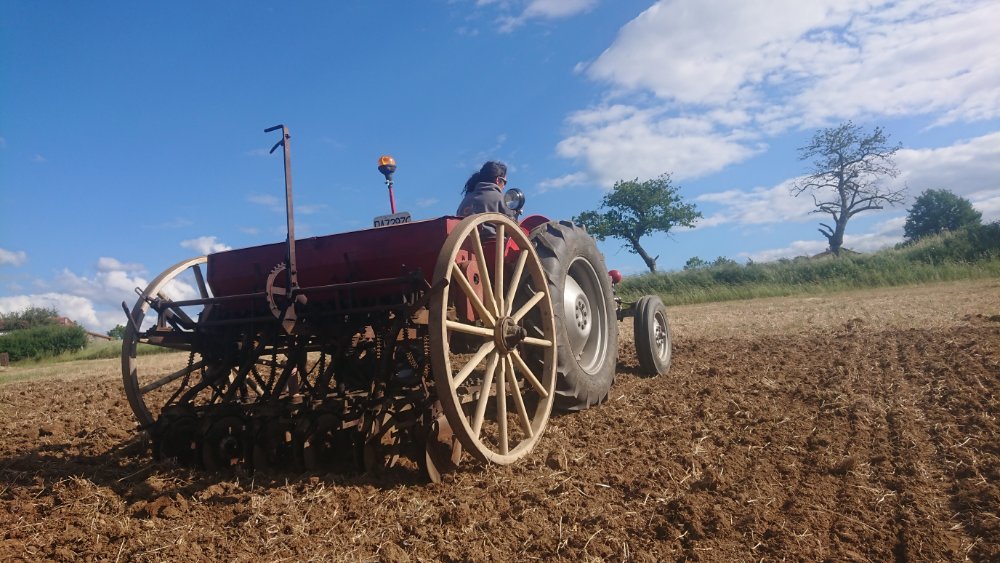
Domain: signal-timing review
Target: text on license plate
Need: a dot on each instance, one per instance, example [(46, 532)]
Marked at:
[(394, 219)]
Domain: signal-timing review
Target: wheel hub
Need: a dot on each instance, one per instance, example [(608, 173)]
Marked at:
[(508, 334), (579, 316)]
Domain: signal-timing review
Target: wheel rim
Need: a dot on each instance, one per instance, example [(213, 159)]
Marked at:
[(497, 401), (585, 315), (183, 280), (661, 340)]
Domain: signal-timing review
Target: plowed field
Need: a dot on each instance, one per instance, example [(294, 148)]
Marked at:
[(853, 427)]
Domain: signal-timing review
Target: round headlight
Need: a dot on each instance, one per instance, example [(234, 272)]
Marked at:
[(514, 198)]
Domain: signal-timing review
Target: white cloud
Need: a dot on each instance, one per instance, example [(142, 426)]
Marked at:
[(965, 168), (426, 202), (93, 301), (565, 181), (3, 143), (883, 235), (107, 264), (622, 142), (796, 248), (107, 286), (968, 168), (989, 206), (707, 51), (74, 307), (12, 257), (932, 57), (758, 206), (308, 209), (257, 152), (556, 9), (277, 205), (175, 223), (545, 10), (818, 59), (269, 201), (697, 85), (205, 245), (39, 159)]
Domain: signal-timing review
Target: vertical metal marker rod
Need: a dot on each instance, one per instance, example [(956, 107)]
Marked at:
[(293, 274)]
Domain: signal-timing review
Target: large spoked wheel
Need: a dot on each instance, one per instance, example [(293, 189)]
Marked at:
[(152, 381), (496, 398), (586, 327)]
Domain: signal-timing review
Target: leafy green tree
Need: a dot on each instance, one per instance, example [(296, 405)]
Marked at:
[(634, 209), (118, 332), (723, 261), (847, 176), (695, 263), (29, 318), (935, 211)]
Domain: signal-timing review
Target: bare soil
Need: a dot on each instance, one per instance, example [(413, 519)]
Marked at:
[(853, 427)]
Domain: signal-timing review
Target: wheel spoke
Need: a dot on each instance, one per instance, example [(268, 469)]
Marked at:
[(461, 376), (538, 296), (172, 312), (171, 377), (498, 270), (200, 280), (537, 342), (515, 390), (484, 273), (477, 304), (515, 280), (528, 375), (484, 395), (469, 329), (502, 409)]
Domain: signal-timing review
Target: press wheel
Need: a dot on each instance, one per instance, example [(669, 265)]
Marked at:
[(496, 399), (182, 280)]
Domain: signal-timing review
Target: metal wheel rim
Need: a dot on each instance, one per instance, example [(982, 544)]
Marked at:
[(505, 370), (660, 341), (592, 340)]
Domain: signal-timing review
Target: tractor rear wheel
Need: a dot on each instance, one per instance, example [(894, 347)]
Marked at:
[(584, 308), (496, 399)]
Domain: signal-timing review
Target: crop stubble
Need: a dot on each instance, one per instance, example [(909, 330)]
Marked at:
[(860, 426)]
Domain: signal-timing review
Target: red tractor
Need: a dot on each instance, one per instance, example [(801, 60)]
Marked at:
[(416, 340)]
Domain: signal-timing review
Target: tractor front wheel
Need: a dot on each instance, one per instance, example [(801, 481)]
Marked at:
[(584, 308), (652, 335)]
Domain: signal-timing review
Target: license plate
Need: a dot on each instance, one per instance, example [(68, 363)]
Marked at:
[(394, 219)]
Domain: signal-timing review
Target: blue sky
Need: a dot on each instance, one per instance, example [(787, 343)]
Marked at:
[(131, 134)]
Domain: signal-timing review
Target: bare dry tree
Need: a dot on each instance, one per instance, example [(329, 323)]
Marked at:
[(848, 176)]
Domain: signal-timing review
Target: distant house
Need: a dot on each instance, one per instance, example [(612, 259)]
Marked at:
[(92, 336)]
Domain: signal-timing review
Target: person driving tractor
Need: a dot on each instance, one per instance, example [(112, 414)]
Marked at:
[(483, 191)]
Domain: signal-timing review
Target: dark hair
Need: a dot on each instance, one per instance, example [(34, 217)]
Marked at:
[(490, 171)]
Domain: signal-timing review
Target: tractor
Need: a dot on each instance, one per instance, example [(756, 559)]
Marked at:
[(412, 342)]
